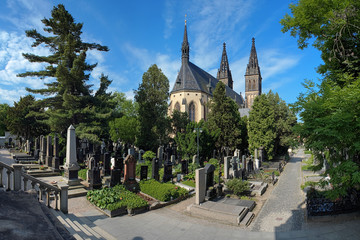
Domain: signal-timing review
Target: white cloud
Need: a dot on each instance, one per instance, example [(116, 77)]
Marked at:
[(273, 62), (11, 96)]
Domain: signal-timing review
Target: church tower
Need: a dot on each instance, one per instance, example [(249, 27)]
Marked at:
[(252, 77), (185, 48), (224, 73)]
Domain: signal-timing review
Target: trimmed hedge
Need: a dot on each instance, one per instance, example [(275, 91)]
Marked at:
[(162, 191), (115, 198)]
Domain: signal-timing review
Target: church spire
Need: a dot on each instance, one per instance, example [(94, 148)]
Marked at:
[(224, 73), (185, 47), (253, 80), (253, 65)]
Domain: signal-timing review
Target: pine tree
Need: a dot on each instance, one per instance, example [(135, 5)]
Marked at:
[(68, 97)]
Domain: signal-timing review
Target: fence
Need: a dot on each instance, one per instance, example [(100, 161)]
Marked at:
[(14, 177)]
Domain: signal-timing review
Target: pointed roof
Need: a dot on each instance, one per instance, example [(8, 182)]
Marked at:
[(224, 64), (185, 49), (253, 65), (224, 70)]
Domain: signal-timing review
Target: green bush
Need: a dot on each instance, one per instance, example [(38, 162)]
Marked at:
[(307, 184), (115, 198), (238, 186), (162, 191), (214, 162), (82, 173), (307, 152), (149, 155)]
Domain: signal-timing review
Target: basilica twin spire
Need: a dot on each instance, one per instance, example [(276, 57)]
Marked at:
[(224, 73)]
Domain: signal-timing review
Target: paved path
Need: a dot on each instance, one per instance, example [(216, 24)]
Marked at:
[(283, 210)]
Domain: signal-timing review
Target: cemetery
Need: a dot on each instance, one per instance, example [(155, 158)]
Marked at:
[(119, 179)]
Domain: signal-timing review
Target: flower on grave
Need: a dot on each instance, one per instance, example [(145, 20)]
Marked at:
[(121, 198), (176, 187)]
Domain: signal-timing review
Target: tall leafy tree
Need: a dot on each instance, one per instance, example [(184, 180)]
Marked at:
[(224, 119), (21, 122), (271, 125), (329, 110), (152, 96), (3, 113), (68, 97), (179, 121)]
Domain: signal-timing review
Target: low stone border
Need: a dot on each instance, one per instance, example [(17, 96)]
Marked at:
[(159, 204), (122, 211)]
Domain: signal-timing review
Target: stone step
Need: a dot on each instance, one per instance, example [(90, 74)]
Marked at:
[(80, 227), (77, 192), (246, 221), (42, 173)]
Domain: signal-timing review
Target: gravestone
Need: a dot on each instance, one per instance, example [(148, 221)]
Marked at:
[(184, 167), (209, 175), (28, 149), (107, 159), (131, 151), (172, 159), (160, 155), (56, 161), (226, 167), (233, 170), (115, 172), (250, 166), (94, 178), (155, 169), (261, 154), (243, 162), (195, 159), (42, 149), (129, 169), (167, 171), (200, 185), (209, 181), (48, 151), (257, 164), (71, 166), (141, 152), (256, 154), (144, 172)]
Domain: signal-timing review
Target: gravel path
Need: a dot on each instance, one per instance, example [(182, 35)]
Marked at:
[(284, 211)]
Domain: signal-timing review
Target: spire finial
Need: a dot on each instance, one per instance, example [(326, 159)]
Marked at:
[(253, 39), (185, 19)]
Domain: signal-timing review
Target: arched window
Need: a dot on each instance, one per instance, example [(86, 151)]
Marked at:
[(177, 106), (192, 112)]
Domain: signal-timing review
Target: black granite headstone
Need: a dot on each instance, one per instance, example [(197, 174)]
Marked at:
[(184, 167), (155, 169), (143, 172), (167, 171)]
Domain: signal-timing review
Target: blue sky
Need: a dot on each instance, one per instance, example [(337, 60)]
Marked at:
[(140, 33)]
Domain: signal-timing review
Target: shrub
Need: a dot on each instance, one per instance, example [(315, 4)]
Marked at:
[(115, 198), (238, 186), (307, 184), (214, 162), (307, 152), (162, 191), (82, 173), (149, 155)]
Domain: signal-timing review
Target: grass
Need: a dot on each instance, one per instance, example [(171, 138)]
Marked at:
[(82, 173), (307, 184), (308, 164), (190, 183), (308, 152)]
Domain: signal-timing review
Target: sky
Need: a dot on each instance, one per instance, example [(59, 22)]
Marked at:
[(140, 33)]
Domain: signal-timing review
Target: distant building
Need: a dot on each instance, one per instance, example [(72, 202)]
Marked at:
[(8, 138), (194, 87)]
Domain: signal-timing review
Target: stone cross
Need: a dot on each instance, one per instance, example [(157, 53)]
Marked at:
[(71, 166)]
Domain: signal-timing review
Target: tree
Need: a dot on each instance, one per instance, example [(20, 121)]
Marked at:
[(68, 99), (124, 106), (21, 122), (124, 128), (270, 125), (329, 110), (224, 119), (335, 25), (3, 113), (179, 121), (152, 96)]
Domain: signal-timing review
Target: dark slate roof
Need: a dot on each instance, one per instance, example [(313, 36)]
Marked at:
[(193, 78)]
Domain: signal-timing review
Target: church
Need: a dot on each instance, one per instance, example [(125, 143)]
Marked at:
[(194, 87)]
